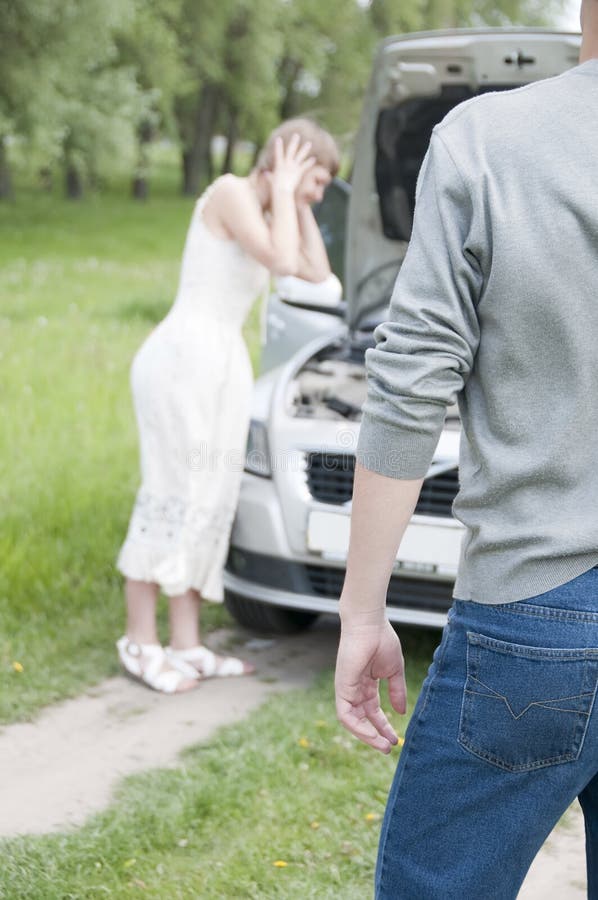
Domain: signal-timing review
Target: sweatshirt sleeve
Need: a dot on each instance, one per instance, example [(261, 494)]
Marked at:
[(425, 350)]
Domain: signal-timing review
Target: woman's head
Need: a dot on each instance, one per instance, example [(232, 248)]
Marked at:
[(323, 149)]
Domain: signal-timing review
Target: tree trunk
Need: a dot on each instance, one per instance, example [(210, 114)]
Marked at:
[(46, 179), (196, 157), (6, 192), (73, 183), (140, 183), (139, 190), (288, 73), (232, 133)]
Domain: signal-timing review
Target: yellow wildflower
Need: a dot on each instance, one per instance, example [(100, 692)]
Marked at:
[(315, 825), (17, 666), (280, 863), (303, 742), (372, 817), (401, 741)]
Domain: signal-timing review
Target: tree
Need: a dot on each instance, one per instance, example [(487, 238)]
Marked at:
[(62, 86), (29, 36), (394, 16), (250, 89), (148, 43), (325, 71)]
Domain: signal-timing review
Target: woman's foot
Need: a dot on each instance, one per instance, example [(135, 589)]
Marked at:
[(151, 665), (208, 664)]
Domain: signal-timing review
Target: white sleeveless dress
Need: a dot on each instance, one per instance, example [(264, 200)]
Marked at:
[(191, 382)]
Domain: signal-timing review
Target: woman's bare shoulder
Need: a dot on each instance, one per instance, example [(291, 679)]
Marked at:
[(229, 197), (231, 187), (235, 199)]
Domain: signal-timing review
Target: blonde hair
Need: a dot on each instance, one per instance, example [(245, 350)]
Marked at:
[(323, 145)]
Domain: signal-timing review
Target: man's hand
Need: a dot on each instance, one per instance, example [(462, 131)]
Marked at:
[(367, 653)]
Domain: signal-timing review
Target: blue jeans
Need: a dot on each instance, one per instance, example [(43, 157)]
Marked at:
[(503, 738)]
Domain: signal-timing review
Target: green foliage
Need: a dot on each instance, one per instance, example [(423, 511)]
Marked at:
[(326, 61), (394, 16), (62, 83), (81, 286), (250, 83), (86, 80)]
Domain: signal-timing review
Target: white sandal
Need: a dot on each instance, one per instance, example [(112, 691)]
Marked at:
[(206, 663), (145, 663)]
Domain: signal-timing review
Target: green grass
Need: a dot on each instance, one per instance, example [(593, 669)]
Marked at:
[(215, 826), (81, 285)]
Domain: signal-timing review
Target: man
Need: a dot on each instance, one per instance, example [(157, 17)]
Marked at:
[(496, 304)]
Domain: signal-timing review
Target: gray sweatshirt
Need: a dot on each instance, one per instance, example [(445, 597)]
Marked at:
[(496, 306)]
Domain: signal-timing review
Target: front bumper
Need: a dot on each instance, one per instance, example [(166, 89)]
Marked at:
[(274, 558), (316, 588)]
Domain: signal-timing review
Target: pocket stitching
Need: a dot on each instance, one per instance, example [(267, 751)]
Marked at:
[(494, 695), (475, 639), (475, 645), (547, 612)]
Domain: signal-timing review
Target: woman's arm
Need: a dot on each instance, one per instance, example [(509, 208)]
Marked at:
[(275, 244), (313, 258)]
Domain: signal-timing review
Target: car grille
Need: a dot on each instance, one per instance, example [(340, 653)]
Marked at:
[(410, 592), (437, 494), (330, 480), (330, 476)]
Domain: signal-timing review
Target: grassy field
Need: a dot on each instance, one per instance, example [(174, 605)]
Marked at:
[(81, 285), (285, 805)]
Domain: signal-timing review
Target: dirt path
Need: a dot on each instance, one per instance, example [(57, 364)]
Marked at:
[(63, 767)]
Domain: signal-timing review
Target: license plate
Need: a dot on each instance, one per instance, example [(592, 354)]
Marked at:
[(430, 545)]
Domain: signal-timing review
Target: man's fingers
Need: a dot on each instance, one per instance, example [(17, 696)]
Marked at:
[(397, 692), (366, 732), (366, 729), (383, 726)]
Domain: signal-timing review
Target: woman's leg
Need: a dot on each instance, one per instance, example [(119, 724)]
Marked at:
[(184, 620), (184, 611), (141, 599)]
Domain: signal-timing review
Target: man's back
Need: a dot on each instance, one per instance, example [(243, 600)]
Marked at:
[(497, 300)]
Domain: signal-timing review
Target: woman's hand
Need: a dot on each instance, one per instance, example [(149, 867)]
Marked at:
[(290, 164), (367, 653)]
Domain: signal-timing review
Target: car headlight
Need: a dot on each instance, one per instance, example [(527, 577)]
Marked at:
[(257, 454)]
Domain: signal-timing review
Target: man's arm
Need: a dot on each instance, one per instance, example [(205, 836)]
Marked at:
[(381, 510), (369, 648), (422, 358)]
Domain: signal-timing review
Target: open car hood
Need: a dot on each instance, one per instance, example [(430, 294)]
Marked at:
[(416, 79)]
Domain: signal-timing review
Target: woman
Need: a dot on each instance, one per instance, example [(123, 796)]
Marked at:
[(191, 382)]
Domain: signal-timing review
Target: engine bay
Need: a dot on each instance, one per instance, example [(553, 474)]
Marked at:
[(328, 389), (333, 385)]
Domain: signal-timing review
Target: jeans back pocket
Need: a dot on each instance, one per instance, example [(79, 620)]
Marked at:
[(526, 707)]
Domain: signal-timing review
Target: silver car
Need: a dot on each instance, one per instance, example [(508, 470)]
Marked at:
[(289, 541)]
